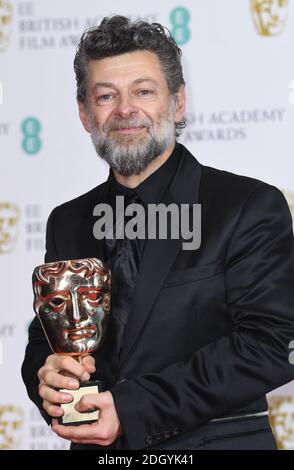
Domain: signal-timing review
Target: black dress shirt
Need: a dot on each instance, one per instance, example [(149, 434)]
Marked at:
[(151, 190), (123, 256)]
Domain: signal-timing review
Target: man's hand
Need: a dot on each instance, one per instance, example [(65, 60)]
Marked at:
[(104, 432), (62, 372)]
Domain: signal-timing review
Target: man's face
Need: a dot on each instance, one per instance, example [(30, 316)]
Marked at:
[(73, 310), (270, 16), (130, 112)]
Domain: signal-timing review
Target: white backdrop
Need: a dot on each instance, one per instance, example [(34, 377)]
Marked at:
[(240, 84)]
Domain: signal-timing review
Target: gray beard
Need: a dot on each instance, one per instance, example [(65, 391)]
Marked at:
[(131, 155)]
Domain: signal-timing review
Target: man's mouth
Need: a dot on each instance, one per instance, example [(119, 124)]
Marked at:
[(81, 333), (129, 130)]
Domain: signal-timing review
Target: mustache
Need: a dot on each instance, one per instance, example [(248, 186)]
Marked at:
[(126, 124)]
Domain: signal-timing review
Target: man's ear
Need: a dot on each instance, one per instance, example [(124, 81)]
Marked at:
[(83, 116), (180, 104)]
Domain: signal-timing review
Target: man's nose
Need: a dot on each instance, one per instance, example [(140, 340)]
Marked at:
[(125, 107)]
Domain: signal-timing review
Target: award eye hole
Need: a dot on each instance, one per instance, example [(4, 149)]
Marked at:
[(93, 296), (56, 302)]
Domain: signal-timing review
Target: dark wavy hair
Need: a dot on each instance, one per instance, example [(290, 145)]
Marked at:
[(117, 35)]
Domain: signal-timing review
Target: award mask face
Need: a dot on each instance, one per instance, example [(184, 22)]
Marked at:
[(72, 301)]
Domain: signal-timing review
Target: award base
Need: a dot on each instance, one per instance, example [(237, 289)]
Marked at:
[(71, 416)]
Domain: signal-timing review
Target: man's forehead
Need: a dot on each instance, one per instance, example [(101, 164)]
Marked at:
[(133, 66)]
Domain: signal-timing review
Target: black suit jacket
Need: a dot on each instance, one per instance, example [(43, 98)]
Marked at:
[(209, 329)]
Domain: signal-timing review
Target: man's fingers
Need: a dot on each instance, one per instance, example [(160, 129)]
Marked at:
[(67, 374), (100, 400), (88, 402), (70, 433), (61, 372), (103, 432), (89, 364), (68, 364), (58, 380), (84, 431), (52, 410), (57, 368), (52, 396), (98, 442)]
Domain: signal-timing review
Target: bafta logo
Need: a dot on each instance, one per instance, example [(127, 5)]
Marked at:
[(5, 24), (281, 414), (11, 420), (269, 16), (9, 221)]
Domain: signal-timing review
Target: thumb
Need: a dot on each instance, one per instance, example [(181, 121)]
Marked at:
[(93, 402)]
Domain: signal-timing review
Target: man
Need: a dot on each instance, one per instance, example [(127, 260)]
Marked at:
[(208, 329)]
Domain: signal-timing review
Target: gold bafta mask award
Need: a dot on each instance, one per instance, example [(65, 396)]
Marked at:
[(72, 302)]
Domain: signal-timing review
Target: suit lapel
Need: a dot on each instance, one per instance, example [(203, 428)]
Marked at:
[(87, 246), (159, 255)]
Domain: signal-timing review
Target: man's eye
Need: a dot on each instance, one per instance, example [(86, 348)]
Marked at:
[(145, 92), (105, 98)]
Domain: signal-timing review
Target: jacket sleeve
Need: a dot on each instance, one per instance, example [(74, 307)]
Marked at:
[(38, 349), (243, 366)]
